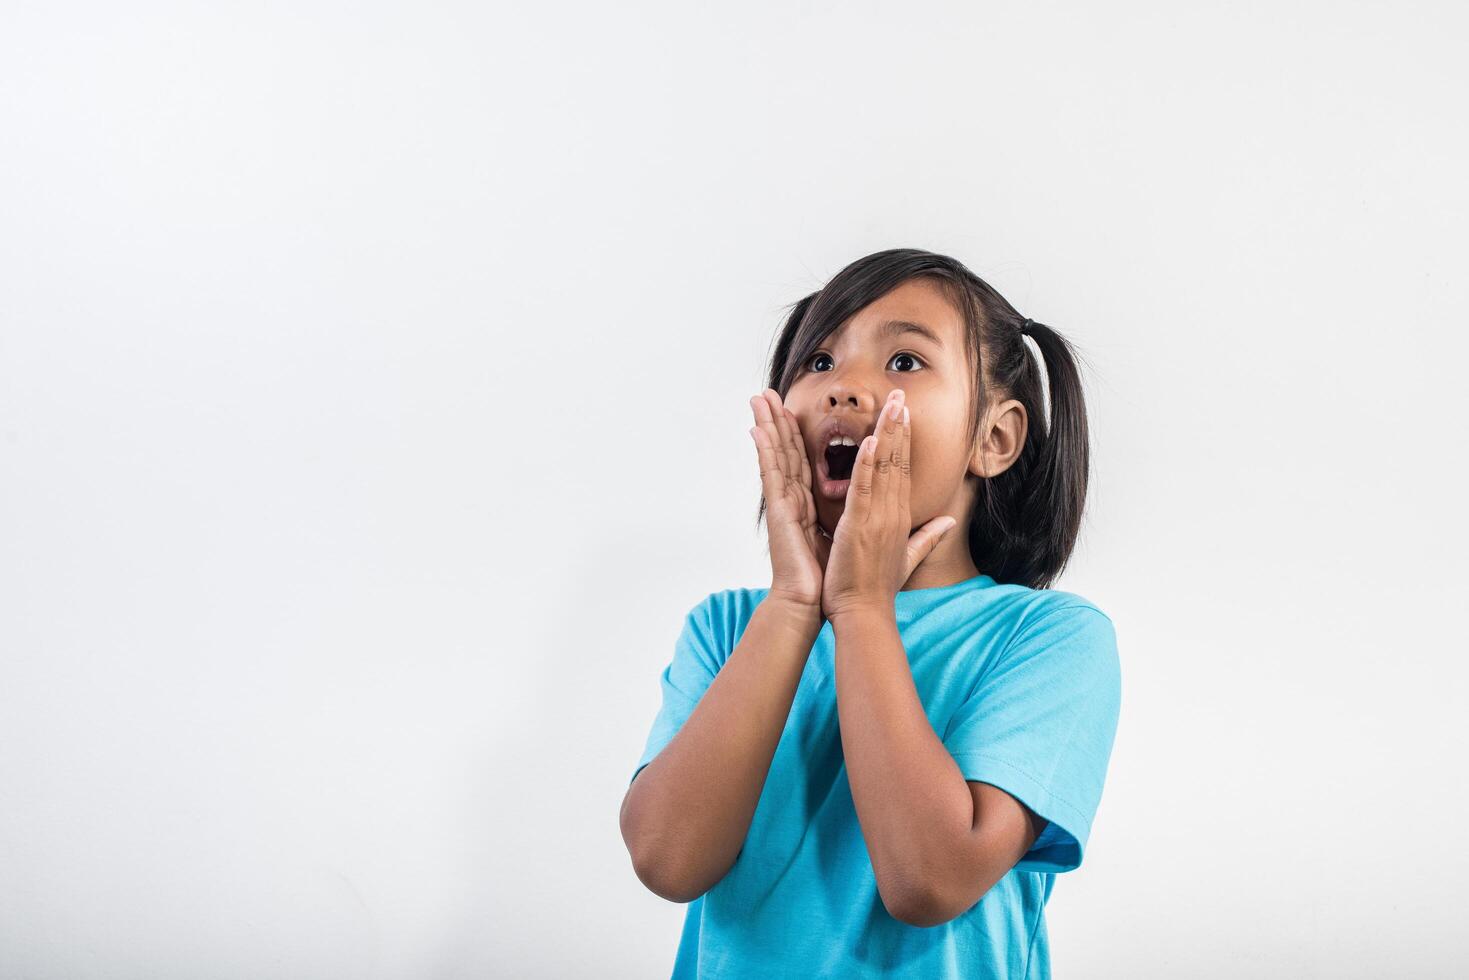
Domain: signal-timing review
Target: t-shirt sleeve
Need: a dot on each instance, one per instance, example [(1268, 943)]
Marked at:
[(1040, 725), (696, 659)]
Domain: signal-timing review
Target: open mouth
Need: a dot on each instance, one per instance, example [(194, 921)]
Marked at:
[(840, 460), (834, 471), (839, 439)]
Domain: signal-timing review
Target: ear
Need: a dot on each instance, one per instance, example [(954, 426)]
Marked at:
[(1001, 436)]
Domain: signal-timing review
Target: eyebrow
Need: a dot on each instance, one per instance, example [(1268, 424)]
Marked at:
[(894, 328)]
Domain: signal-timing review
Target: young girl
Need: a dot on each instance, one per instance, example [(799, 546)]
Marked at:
[(878, 765)]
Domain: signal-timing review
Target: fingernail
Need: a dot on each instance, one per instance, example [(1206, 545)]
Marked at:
[(905, 414)]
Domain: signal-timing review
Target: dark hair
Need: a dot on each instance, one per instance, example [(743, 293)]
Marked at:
[(1025, 520)]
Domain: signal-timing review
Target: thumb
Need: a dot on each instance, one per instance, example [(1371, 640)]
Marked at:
[(926, 538)]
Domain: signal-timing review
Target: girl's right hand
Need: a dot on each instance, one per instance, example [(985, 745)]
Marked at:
[(798, 549)]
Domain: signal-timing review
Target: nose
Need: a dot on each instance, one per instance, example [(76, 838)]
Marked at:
[(856, 394)]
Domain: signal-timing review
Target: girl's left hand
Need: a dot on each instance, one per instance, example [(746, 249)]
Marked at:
[(872, 553)]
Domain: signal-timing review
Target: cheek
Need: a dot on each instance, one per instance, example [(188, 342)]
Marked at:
[(930, 459), (801, 407)]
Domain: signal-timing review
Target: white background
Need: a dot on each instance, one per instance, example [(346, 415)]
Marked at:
[(373, 406)]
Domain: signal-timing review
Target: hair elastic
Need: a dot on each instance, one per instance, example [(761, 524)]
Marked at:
[(1025, 327)]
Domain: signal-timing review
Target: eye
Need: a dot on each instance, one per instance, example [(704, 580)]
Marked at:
[(811, 362)]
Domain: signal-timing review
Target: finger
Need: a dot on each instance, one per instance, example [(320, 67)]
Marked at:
[(783, 426), (926, 538), (905, 463), (859, 491), (772, 480), (886, 434), (801, 446), (765, 420)]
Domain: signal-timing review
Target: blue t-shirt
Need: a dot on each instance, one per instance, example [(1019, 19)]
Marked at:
[(1022, 686)]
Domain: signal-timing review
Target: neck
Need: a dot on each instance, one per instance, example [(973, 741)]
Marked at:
[(947, 564)]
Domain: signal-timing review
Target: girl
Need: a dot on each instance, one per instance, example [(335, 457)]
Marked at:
[(878, 765)]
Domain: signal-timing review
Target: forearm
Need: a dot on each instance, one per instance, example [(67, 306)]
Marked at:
[(687, 813), (913, 804)]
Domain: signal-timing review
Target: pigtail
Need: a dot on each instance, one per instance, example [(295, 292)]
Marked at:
[(1046, 489)]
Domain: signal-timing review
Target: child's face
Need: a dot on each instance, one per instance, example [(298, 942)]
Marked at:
[(848, 378)]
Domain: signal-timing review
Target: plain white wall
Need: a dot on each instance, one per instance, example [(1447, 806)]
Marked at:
[(373, 405)]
